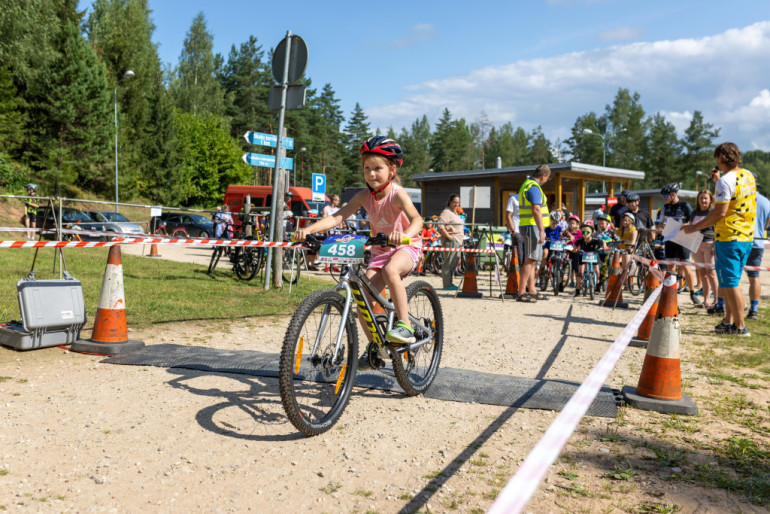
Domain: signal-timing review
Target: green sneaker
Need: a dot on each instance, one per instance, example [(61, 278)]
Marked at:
[(401, 333)]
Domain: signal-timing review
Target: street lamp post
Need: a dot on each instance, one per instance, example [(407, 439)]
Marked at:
[(590, 132), (126, 75), (698, 173)]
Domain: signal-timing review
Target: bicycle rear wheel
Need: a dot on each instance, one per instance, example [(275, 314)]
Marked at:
[(215, 258), (415, 370), (565, 272), (637, 280), (542, 277), (315, 384), (248, 262)]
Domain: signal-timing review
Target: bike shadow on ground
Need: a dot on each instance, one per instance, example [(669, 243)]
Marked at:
[(421, 499), (575, 319), (252, 409)]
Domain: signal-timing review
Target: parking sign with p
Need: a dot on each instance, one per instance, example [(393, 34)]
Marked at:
[(319, 187)]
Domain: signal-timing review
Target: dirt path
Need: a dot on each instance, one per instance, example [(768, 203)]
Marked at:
[(81, 435)]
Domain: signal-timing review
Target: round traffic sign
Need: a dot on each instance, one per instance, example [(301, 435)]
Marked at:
[(297, 59)]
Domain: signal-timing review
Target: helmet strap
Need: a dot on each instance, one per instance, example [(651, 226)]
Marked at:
[(380, 190)]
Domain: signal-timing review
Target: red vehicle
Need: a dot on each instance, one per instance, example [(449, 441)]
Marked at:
[(302, 203)]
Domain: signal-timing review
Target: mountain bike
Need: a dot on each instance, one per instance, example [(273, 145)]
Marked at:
[(558, 267), (588, 285), (318, 361)]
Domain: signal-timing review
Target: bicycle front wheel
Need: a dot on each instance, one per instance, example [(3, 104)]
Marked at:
[(316, 378), (415, 370), (591, 283), (637, 279), (248, 262)]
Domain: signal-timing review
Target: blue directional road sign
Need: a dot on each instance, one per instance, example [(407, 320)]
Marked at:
[(267, 161), (271, 140), (319, 187)]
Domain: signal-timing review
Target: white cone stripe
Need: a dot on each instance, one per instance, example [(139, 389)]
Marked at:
[(664, 339), (112, 296)]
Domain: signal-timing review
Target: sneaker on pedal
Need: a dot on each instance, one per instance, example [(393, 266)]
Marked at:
[(401, 333)]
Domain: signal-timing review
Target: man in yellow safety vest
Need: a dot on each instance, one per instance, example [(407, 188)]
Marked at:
[(533, 209)]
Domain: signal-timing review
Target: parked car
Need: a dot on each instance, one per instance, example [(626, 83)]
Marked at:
[(116, 222), (71, 219), (182, 225)]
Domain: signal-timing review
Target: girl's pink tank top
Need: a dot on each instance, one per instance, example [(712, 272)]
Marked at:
[(386, 217)]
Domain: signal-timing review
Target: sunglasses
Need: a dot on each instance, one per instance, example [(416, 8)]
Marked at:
[(665, 196)]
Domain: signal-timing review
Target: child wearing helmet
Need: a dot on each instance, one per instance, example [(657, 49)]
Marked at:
[(30, 211), (552, 233), (586, 243), (391, 211), (627, 234)]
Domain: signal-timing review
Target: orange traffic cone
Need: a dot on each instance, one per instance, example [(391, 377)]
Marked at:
[(154, 251), (512, 287), (376, 307), (614, 296), (110, 333), (645, 329), (470, 288), (660, 383)]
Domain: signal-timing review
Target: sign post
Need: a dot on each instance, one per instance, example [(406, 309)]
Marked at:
[(289, 63)]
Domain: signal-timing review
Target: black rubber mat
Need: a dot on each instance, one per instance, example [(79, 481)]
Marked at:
[(458, 385)]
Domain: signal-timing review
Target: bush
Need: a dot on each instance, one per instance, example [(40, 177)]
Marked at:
[(13, 176)]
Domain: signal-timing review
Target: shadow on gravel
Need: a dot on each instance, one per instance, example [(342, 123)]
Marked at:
[(574, 319), (421, 498)]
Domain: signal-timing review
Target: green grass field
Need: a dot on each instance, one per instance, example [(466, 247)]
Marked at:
[(157, 291)]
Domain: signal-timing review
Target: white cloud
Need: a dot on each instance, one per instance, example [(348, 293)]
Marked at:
[(620, 34), (724, 76), (419, 32)]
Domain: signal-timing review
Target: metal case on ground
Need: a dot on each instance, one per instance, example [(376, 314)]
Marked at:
[(52, 313)]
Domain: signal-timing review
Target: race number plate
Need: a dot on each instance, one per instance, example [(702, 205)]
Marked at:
[(590, 257), (557, 246), (342, 249)]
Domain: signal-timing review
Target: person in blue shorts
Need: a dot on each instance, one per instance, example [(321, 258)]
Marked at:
[(756, 253)]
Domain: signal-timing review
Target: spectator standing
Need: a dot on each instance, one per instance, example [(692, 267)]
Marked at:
[(450, 227), (30, 211), (756, 253), (598, 213), (705, 253), (617, 210), (642, 218), (734, 218), (512, 222), (533, 210), (681, 211)]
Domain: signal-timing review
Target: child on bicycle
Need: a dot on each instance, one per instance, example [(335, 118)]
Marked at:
[(570, 236), (392, 212), (552, 233), (627, 235), (587, 243)]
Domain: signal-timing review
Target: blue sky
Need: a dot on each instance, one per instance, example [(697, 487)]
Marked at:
[(536, 62)]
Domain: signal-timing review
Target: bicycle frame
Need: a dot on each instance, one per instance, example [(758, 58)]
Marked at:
[(351, 281)]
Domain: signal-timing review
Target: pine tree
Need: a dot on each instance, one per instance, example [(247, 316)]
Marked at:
[(584, 147), (439, 145), (356, 132), (625, 139), (663, 153), (699, 146), (196, 89), (74, 147), (540, 147), (11, 114)]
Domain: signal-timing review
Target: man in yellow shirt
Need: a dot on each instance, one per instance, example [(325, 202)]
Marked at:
[(733, 218)]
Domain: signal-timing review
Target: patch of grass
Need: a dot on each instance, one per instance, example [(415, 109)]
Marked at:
[(717, 378), (569, 475), (23, 380), (158, 291), (736, 408), (432, 475), (404, 496), (3, 472), (331, 487), (621, 473), (677, 423), (668, 457), (364, 493), (5, 379), (491, 494)]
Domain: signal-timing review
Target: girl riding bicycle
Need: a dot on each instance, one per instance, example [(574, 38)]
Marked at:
[(392, 212)]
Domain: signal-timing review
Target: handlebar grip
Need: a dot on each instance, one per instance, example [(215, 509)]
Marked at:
[(406, 240)]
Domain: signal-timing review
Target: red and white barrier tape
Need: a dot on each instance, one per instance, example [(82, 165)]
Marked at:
[(524, 483)]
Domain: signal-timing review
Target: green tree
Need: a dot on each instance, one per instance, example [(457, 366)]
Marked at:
[(439, 145), (540, 147), (75, 145), (209, 160), (698, 146), (461, 148), (625, 137), (121, 33), (11, 114), (246, 81), (356, 132), (663, 153), (584, 147), (416, 145), (196, 89)]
